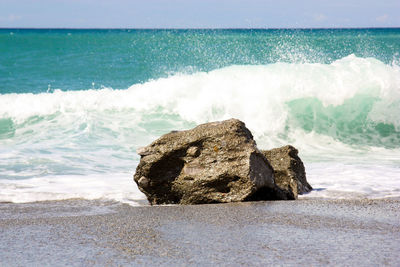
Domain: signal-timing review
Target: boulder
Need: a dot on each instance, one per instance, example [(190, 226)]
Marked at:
[(211, 163), (289, 170)]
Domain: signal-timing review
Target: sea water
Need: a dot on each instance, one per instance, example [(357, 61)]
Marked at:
[(76, 104)]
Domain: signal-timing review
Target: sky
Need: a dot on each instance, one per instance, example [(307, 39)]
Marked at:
[(199, 13)]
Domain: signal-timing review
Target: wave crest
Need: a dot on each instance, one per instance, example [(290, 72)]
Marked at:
[(353, 100)]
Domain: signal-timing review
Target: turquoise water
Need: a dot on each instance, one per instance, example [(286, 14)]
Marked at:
[(34, 60), (76, 104)]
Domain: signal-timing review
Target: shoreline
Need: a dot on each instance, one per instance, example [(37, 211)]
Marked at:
[(313, 232)]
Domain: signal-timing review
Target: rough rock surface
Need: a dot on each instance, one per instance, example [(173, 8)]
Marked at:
[(289, 171), (211, 163)]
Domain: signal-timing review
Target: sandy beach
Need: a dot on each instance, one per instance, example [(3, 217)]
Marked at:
[(303, 232)]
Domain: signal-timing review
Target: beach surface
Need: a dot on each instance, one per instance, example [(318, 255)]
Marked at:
[(311, 232)]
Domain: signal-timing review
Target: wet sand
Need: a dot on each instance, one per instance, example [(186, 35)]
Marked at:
[(307, 232)]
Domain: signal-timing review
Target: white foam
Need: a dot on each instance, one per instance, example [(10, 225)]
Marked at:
[(117, 187), (352, 181)]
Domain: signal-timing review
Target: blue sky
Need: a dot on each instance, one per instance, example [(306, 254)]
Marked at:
[(199, 13)]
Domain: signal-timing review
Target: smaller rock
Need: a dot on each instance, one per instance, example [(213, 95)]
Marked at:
[(289, 170)]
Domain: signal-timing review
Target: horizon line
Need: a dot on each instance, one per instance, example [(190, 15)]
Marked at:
[(178, 28)]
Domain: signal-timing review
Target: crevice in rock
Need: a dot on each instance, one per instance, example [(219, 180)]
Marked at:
[(222, 184), (163, 173)]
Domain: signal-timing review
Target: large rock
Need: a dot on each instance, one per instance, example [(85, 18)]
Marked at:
[(289, 171), (214, 162)]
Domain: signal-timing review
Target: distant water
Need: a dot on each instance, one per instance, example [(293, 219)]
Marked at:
[(76, 104)]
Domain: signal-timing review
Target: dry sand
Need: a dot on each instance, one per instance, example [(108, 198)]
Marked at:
[(286, 233)]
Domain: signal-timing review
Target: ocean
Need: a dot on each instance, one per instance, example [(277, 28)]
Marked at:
[(76, 104)]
